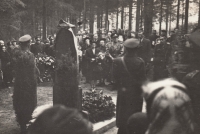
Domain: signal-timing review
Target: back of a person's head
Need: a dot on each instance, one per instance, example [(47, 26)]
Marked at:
[(60, 120)]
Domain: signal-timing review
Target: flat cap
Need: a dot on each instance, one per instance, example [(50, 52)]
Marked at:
[(114, 35), (25, 38), (131, 43)]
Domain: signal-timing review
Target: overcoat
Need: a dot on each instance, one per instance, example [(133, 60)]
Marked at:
[(128, 84), (144, 50), (92, 65)]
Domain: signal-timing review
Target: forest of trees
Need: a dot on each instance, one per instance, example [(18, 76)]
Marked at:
[(40, 17)]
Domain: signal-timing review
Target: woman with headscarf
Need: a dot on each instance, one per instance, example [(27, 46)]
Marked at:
[(169, 108)]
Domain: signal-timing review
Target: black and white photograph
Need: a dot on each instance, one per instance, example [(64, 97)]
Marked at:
[(99, 66)]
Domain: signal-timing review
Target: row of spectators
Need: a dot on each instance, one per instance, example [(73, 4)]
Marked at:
[(8, 50)]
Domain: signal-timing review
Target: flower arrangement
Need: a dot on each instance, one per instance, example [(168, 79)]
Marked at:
[(46, 60), (46, 64), (100, 107)]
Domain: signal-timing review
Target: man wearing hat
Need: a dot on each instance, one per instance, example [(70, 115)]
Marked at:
[(25, 87), (129, 74), (115, 50), (38, 47), (86, 45), (161, 58), (49, 48), (145, 51), (153, 38)]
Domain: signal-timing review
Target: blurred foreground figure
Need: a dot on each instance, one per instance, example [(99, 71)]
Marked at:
[(169, 109), (25, 93), (60, 120), (192, 79)]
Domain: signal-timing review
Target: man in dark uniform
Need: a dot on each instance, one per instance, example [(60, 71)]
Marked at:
[(86, 45), (161, 57), (153, 38), (38, 47), (192, 79), (49, 48), (129, 74), (115, 50), (145, 51)]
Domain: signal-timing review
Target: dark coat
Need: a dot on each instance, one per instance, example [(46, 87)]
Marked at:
[(37, 48), (92, 65), (144, 50), (128, 84)]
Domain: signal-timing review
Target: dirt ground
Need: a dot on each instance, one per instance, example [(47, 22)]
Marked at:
[(8, 124)]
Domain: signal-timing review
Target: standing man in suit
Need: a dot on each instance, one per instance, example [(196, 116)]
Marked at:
[(129, 74), (91, 56), (144, 51)]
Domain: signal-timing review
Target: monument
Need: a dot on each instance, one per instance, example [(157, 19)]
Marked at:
[(65, 88)]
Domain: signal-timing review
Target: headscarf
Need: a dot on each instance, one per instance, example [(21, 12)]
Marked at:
[(169, 108), (60, 120)]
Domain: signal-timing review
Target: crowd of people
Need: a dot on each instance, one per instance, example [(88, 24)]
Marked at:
[(124, 60), (99, 50)]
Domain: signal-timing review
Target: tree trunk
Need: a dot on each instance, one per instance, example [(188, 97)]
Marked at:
[(183, 13), (91, 17), (199, 15), (137, 24), (84, 15), (101, 18), (98, 17), (44, 25), (167, 18), (148, 15), (122, 17), (33, 22), (178, 9), (130, 14), (142, 14), (117, 22), (106, 19), (186, 15), (160, 17), (170, 21)]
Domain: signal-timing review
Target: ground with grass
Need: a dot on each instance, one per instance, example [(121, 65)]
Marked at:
[(8, 124)]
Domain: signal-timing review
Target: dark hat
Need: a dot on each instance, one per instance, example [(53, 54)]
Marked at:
[(25, 38), (131, 43), (114, 35), (37, 38), (60, 120), (102, 39), (164, 31)]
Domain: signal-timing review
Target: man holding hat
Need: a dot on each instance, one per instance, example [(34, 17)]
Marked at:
[(25, 93), (129, 74)]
